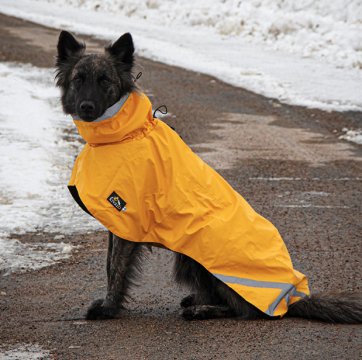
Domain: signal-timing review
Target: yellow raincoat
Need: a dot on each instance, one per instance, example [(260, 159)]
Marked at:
[(143, 183)]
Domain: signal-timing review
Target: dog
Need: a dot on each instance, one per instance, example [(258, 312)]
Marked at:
[(90, 85)]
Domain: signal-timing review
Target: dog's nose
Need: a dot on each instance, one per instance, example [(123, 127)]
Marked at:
[(87, 106)]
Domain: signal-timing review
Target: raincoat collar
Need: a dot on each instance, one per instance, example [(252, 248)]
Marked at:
[(130, 118)]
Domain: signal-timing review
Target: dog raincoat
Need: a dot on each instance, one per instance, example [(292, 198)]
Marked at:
[(143, 183)]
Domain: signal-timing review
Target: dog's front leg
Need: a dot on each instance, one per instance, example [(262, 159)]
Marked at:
[(123, 268)]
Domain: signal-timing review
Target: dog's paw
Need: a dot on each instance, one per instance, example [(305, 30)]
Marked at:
[(97, 311), (188, 301), (194, 312), (203, 312)]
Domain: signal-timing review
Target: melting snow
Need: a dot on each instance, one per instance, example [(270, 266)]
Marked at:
[(352, 135), (26, 352), (35, 164)]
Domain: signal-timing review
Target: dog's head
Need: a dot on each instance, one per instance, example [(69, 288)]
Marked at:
[(91, 83)]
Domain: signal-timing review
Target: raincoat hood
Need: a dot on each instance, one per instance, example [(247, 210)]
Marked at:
[(119, 123), (143, 183)]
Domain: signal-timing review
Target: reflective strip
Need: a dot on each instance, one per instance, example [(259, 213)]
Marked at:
[(73, 190), (287, 290), (300, 294), (284, 294), (287, 299), (110, 112)]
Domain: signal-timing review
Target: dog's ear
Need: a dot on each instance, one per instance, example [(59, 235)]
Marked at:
[(68, 46), (70, 52), (122, 50)]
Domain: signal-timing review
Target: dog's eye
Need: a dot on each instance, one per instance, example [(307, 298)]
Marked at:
[(104, 82), (77, 80)]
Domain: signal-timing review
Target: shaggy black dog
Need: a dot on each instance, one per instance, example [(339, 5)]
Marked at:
[(90, 84)]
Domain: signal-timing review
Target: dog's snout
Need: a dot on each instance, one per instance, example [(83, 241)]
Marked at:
[(87, 106), (88, 110)]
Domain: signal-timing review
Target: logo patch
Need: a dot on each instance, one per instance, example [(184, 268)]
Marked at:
[(117, 201)]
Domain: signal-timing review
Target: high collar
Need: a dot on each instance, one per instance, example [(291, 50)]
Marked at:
[(130, 118)]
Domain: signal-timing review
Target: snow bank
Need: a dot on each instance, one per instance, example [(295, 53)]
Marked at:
[(329, 31), (37, 151), (317, 65)]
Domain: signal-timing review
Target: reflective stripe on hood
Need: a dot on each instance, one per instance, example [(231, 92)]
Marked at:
[(143, 183)]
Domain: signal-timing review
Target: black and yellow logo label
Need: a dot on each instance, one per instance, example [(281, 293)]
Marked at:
[(117, 201)]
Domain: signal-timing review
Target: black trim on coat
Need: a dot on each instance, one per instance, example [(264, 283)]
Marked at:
[(73, 190)]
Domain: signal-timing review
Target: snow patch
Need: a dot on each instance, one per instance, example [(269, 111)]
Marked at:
[(16, 256), (26, 352), (352, 135)]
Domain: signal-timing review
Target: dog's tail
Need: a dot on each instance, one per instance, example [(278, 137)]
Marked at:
[(338, 307)]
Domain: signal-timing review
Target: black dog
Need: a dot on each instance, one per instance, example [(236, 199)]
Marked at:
[(90, 84)]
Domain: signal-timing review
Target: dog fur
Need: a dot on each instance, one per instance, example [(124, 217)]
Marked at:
[(90, 84)]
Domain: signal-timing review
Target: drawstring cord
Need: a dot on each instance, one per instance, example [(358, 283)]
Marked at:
[(159, 109), (164, 113), (138, 76)]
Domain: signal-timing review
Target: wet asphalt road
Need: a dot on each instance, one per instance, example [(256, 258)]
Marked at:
[(286, 161)]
